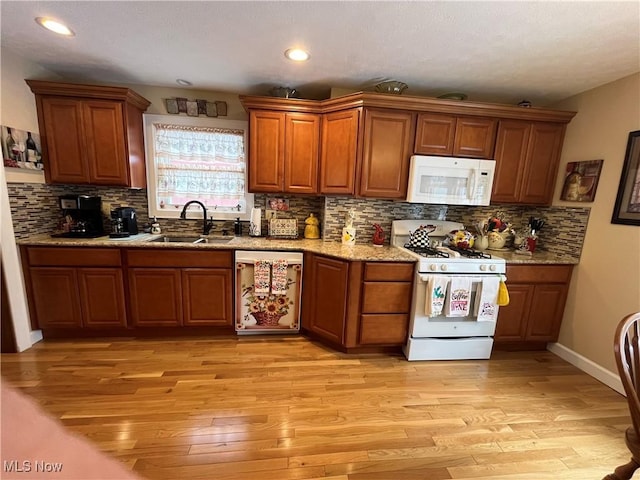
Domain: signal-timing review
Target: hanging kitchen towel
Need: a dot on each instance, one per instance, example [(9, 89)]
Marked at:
[(436, 290), (261, 274), (503, 293), (279, 277), (486, 307), (459, 297)]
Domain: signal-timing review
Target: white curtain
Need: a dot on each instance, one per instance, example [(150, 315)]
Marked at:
[(197, 163)]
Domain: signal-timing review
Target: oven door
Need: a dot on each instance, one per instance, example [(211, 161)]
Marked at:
[(442, 326)]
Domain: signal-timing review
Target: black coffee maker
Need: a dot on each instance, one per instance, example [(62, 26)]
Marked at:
[(124, 222), (82, 216)]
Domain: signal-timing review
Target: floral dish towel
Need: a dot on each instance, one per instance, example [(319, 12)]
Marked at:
[(279, 277), (261, 274)]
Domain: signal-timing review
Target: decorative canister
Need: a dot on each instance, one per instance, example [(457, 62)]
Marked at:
[(496, 240)]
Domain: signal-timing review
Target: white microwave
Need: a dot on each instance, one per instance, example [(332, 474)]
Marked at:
[(450, 180)]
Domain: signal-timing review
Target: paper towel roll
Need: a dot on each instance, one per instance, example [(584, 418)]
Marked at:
[(255, 225)]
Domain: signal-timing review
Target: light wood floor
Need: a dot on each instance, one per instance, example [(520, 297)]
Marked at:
[(280, 408)]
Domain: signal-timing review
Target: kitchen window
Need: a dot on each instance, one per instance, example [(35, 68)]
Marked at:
[(196, 159)]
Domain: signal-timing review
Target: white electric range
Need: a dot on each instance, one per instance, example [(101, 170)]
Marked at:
[(441, 337)]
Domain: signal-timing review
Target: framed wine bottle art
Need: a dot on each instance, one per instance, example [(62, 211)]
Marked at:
[(21, 149)]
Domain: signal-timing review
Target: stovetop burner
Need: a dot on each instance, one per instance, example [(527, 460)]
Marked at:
[(427, 251), (469, 252)]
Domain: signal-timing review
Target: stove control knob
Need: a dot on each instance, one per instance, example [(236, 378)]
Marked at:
[(433, 268), (492, 268), (443, 268), (483, 268)]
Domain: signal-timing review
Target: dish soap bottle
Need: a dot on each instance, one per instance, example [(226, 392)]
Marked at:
[(237, 227), (155, 226)]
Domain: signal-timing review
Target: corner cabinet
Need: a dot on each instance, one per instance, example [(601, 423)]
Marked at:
[(527, 157), (339, 151), (537, 296), (387, 144), (91, 134), (283, 152)]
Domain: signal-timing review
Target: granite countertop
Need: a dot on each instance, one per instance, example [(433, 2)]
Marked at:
[(332, 249)]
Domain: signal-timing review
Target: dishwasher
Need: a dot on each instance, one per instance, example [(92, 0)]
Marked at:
[(268, 288)]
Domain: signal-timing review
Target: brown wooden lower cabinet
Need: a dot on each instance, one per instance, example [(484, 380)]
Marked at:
[(537, 296), (71, 288), (156, 297), (325, 289), (351, 304), (56, 297), (207, 296), (75, 287)]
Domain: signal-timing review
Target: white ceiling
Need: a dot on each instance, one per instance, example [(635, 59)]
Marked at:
[(493, 51)]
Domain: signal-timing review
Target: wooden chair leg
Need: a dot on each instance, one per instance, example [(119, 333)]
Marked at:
[(624, 472)]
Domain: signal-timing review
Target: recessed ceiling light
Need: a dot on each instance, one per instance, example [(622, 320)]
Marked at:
[(184, 83), (55, 26), (296, 54)]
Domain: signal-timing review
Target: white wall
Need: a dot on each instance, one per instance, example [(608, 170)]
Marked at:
[(17, 109), (606, 284)]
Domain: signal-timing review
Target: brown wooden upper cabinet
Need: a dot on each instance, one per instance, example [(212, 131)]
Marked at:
[(387, 139), (458, 136), (283, 152), (360, 144), (527, 157), (91, 134), (339, 152)]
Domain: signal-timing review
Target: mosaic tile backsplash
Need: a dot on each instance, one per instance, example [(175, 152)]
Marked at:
[(35, 210)]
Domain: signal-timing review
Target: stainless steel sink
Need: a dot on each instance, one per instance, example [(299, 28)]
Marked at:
[(177, 239)]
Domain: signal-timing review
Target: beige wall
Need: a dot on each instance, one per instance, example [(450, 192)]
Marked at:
[(606, 284)]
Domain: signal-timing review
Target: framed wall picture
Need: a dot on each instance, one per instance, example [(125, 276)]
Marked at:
[(627, 208), (581, 181)]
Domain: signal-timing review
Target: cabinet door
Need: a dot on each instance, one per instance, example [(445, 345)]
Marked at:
[(511, 150), (56, 297), (338, 152), (155, 297), (266, 151), (384, 329), (475, 137), (64, 137), (386, 152), (547, 309), (102, 297), (105, 141), (512, 319), (207, 296), (329, 283), (302, 137), (541, 167), (435, 134)]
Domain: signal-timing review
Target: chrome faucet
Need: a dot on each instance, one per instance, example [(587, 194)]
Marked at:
[(206, 226)]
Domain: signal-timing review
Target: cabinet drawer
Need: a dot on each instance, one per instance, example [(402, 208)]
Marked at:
[(383, 329), (179, 258), (386, 297), (385, 272), (539, 273), (74, 257)]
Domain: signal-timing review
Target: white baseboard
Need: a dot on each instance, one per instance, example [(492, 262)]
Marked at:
[(36, 336), (596, 371)]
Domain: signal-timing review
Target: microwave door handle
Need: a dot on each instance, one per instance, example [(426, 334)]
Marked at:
[(472, 181)]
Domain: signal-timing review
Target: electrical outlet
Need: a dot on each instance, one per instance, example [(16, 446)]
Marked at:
[(106, 209)]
